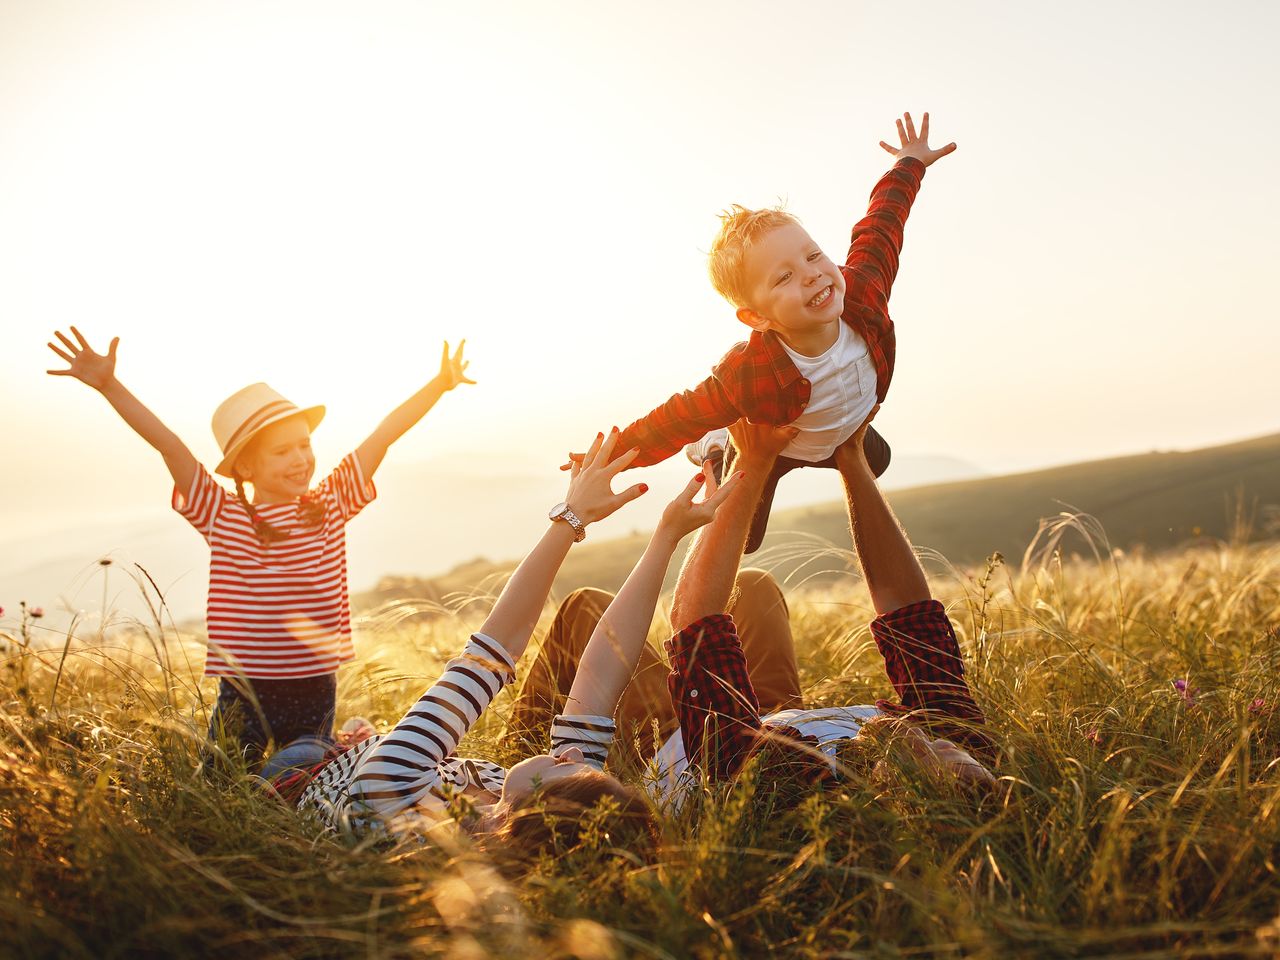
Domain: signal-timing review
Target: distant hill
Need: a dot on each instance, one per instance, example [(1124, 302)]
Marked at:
[(1155, 500)]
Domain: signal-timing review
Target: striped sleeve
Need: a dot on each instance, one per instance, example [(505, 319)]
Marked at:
[(403, 767), (200, 504), (348, 487), (591, 735)]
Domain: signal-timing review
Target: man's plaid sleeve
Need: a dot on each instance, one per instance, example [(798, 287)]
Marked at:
[(877, 239), (712, 694), (922, 658), (686, 417)]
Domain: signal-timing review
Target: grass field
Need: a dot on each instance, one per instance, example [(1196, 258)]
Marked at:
[(1136, 816), (1159, 501)]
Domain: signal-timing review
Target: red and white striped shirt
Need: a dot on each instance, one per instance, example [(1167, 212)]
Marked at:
[(277, 610)]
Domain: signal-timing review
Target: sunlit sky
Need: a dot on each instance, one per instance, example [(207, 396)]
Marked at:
[(316, 194)]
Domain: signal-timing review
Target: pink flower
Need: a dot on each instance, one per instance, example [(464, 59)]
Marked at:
[(36, 612), (1257, 705), (1093, 735), (1187, 692)]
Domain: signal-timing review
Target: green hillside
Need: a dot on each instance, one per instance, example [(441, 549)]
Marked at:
[(1154, 500)]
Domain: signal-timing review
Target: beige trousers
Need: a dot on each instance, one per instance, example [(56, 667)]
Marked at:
[(760, 614)]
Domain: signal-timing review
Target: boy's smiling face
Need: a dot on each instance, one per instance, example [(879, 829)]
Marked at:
[(795, 289)]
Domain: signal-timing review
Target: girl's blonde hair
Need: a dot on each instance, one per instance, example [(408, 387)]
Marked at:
[(739, 229)]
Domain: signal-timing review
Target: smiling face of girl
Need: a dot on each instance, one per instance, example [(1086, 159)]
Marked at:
[(279, 461)]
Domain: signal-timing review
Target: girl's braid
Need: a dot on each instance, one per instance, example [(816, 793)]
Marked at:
[(265, 531)]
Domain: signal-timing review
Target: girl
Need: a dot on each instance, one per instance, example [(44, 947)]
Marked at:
[(279, 623), (412, 771)]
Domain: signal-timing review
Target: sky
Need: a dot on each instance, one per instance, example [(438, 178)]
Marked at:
[(317, 194)]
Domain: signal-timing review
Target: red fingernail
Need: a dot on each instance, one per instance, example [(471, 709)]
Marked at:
[(740, 474), (644, 488), (700, 478), (616, 430)]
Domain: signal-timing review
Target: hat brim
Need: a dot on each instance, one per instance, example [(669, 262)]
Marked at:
[(313, 415)]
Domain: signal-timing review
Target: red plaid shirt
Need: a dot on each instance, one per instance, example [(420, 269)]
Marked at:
[(720, 716), (756, 379)]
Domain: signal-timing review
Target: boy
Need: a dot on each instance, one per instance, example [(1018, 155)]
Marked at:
[(822, 346)]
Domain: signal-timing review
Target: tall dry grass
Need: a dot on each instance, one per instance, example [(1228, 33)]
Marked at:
[(1137, 814)]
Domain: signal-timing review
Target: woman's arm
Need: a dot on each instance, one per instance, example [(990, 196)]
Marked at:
[(514, 616), (610, 657), (453, 371), (99, 371)]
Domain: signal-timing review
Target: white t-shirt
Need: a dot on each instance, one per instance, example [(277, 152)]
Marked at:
[(842, 392), (828, 725)]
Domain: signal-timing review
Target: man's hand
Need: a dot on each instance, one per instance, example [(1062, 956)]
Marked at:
[(759, 444), (914, 145), (851, 452), (453, 370), (95, 369)]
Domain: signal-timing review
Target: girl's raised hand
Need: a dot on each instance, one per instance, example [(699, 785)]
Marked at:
[(683, 515), (590, 494), (92, 368), (453, 370)]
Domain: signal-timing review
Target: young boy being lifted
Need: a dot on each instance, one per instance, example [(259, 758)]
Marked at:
[(822, 346)]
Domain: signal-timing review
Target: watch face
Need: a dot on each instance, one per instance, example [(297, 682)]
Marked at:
[(558, 511)]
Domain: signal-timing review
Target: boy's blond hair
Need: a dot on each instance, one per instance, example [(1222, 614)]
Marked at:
[(739, 229)]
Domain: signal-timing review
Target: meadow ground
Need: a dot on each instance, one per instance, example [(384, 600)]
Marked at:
[(1138, 813)]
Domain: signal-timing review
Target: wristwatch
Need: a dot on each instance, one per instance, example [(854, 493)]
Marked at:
[(561, 511)]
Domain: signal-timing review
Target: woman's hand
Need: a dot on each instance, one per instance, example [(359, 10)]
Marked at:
[(683, 515), (86, 366), (453, 370), (590, 494)]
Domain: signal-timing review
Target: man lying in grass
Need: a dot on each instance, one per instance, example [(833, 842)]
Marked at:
[(410, 777), (733, 685), (936, 725)]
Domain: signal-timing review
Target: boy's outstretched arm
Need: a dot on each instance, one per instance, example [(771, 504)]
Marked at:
[(99, 371), (876, 244), (453, 371)]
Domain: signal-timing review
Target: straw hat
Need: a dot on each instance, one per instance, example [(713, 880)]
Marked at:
[(244, 414)]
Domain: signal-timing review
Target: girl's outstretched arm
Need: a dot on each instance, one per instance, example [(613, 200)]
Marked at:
[(453, 371), (99, 371), (611, 654)]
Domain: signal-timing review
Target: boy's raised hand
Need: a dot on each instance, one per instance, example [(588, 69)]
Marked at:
[(453, 370), (86, 366), (916, 145)]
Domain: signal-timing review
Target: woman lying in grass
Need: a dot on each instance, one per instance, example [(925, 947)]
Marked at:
[(410, 775)]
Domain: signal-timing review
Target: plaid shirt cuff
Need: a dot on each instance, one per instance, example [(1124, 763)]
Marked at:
[(712, 695), (922, 658)]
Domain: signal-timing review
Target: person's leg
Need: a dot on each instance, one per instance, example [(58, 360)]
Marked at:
[(764, 505), (236, 720), (759, 611), (297, 708), (543, 693)]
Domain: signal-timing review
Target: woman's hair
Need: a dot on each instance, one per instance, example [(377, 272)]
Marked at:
[(560, 817)]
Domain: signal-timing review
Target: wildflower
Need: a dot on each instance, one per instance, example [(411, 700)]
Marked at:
[(36, 612), (1257, 705), (1093, 735), (1186, 692)]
